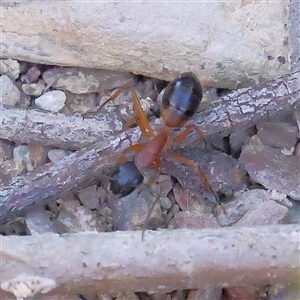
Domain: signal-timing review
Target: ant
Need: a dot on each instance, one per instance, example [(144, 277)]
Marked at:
[(180, 102)]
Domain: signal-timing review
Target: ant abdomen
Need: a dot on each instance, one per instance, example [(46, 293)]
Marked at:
[(181, 99), (125, 179)]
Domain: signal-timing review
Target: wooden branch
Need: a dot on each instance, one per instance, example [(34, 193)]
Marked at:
[(164, 261), (56, 129), (81, 168), (242, 108)]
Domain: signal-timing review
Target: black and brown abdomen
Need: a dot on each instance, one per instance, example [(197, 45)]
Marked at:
[(181, 99)]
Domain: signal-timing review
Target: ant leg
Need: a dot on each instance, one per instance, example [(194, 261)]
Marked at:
[(135, 120), (201, 172), (148, 216), (116, 94), (156, 164), (142, 119), (136, 148), (179, 138), (143, 130)]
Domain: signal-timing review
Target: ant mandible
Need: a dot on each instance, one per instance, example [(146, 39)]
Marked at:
[(180, 101)]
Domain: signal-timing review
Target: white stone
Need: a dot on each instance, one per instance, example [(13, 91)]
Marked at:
[(10, 67), (22, 159), (9, 93), (53, 101), (25, 285), (224, 42), (56, 155)]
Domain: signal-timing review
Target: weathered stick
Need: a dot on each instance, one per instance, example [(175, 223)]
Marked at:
[(241, 108), (164, 261), (81, 168), (58, 130)]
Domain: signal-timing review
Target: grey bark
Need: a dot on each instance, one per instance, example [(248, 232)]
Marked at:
[(164, 261)]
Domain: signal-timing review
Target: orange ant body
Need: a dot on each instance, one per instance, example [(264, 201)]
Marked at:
[(180, 101)]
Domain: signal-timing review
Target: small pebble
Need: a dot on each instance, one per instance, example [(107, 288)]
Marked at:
[(193, 220), (34, 89), (165, 185), (283, 291), (286, 151), (272, 169), (76, 218), (25, 100), (252, 207), (53, 101), (10, 67), (277, 135), (297, 150), (38, 222), (189, 200), (31, 75), (126, 296), (7, 166), (238, 139), (56, 155), (297, 115), (209, 293), (81, 103), (89, 197), (25, 285), (223, 171), (10, 94), (6, 149), (38, 154), (165, 202), (82, 81), (265, 213), (209, 94), (22, 159), (239, 292), (103, 296), (130, 212), (77, 83)]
